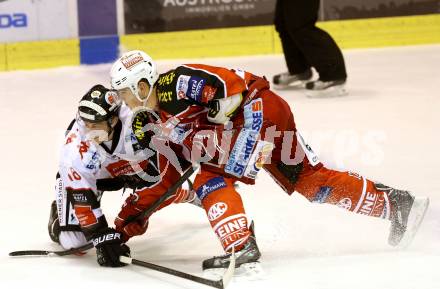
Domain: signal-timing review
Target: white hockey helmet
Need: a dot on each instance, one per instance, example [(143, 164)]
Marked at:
[(130, 68)]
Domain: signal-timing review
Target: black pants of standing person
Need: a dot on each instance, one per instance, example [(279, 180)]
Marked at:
[(304, 44)]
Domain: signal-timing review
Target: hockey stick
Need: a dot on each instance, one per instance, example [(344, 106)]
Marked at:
[(51, 253), (171, 190), (220, 284)]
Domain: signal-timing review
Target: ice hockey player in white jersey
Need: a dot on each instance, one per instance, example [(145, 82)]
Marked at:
[(100, 154)]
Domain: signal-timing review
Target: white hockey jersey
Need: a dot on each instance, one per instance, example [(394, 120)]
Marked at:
[(83, 164)]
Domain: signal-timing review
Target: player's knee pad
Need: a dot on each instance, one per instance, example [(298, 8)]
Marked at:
[(53, 226), (68, 236), (72, 239)]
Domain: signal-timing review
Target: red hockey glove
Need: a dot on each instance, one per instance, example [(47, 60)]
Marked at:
[(126, 222), (131, 229), (255, 88)]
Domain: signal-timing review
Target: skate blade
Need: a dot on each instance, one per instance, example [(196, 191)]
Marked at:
[(415, 219), (214, 274), (249, 272), (334, 91), (296, 85)]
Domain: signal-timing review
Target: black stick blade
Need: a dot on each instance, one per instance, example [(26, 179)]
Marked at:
[(30, 253), (51, 253)]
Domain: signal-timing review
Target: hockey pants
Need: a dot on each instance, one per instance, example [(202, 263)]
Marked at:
[(300, 171)]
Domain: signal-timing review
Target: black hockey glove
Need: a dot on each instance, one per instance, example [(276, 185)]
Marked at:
[(109, 247)]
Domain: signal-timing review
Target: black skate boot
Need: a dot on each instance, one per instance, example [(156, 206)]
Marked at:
[(284, 80), (330, 88), (406, 215), (249, 254), (54, 224)]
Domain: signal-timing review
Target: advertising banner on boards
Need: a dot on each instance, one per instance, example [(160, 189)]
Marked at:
[(176, 15), (28, 20)]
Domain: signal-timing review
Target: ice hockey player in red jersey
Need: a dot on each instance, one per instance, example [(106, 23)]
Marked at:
[(235, 122), (100, 153)]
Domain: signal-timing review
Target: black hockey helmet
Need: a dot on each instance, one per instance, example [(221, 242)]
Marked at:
[(99, 104)]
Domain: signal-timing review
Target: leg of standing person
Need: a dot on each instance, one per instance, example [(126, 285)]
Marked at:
[(299, 69), (318, 47)]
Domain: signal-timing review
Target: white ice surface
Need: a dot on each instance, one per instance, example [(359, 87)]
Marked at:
[(387, 129)]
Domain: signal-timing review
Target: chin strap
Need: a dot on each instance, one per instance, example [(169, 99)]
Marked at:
[(144, 101), (149, 93)]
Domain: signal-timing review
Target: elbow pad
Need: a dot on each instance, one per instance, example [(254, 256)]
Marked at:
[(221, 110)]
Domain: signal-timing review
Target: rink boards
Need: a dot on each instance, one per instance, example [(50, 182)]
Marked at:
[(225, 42)]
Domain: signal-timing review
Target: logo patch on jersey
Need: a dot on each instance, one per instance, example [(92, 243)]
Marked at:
[(311, 156), (217, 210), (195, 88), (240, 72), (246, 140), (85, 215), (259, 157), (165, 96), (345, 203), (94, 162), (208, 93), (70, 138), (61, 198), (372, 204), (182, 86), (79, 197), (212, 185), (131, 60), (139, 121), (263, 155), (83, 148), (166, 79), (123, 167), (232, 230)]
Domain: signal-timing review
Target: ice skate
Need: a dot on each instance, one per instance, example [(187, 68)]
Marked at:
[(287, 80), (54, 224), (407, 213), (246, 262), (325, 89)]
